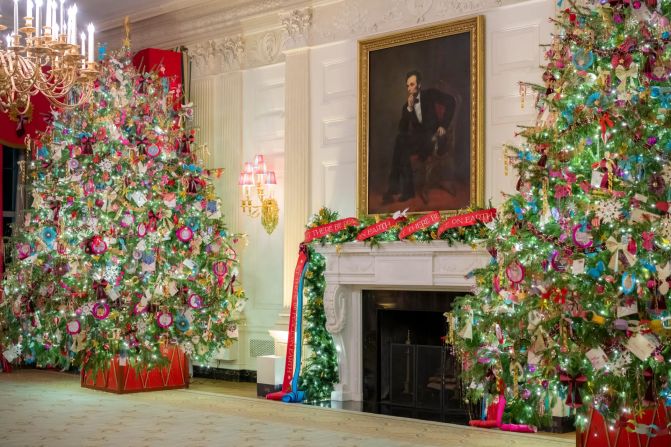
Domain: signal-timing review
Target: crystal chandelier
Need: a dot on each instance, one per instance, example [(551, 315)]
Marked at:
[(43, 56)]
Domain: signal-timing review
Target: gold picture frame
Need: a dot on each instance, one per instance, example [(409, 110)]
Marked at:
[(409, 162)]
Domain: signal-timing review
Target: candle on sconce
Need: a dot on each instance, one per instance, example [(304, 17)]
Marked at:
[(16, 16), (62, 28), (71, 35), (54, 23), (29, 9), (8, 38), (38, 23), (54, 31), (91, 46), (47, 16), (74, 24), (83, 48)]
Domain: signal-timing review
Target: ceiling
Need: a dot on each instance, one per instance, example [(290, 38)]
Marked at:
[(108, 14)]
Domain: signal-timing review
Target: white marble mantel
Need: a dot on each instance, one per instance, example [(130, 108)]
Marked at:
[(354, 267)]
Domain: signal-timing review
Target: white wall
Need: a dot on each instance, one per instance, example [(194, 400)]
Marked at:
[(513, 35)]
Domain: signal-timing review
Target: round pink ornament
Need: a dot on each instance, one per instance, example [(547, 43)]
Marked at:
[(164, 319), (23, 250), (153, 150), (101, 311), (98, 245), (582, 237), (515, 272), (142, 229), (195, 301), (73, 327), (184, 234)]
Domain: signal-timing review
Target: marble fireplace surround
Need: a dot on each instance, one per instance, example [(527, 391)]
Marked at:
[(354, 267)]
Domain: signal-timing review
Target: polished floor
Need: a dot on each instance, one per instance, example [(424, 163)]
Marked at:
[(45, 408)]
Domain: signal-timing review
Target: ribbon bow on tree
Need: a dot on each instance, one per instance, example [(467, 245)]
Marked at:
[(574, 382), (153, 219), (616, 247), (623, 74), (605, 122), (99, 289)]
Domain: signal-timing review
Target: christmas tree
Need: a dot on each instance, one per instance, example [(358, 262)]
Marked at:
[(574, 302), (124, 248)]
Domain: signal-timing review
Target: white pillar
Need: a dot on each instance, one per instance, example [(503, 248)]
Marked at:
[(296, 160)]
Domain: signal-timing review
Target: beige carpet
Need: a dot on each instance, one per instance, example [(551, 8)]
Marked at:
[(42, 408)]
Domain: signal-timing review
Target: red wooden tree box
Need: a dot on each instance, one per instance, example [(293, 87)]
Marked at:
[(598, 434), (125, 379)]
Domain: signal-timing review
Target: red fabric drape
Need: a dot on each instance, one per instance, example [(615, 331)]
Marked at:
[(8, 128), (150, 59)]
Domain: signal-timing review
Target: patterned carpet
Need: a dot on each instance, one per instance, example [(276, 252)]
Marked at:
[(43, 408)]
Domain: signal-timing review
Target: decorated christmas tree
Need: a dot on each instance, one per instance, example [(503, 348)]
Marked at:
[(124, 248), (574, 304)]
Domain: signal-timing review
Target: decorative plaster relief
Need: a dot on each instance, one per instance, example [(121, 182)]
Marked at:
[(219, 55), (297, 22)]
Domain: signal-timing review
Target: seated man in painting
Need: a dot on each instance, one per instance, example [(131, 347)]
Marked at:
[(423, 132)]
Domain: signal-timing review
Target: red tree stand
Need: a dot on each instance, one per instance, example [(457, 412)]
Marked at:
[(597, 433), (122, 379)]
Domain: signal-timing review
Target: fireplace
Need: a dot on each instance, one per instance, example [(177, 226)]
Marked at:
[(418, 268), (407, 369)]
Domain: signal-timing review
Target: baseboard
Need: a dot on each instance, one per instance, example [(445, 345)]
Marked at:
[(230, 375)]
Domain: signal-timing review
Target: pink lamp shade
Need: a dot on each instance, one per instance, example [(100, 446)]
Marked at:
[(270, 178), (248, 168), (245, 179), (258, 160)]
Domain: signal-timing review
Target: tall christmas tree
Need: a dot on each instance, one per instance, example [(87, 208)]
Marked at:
[(574, 302), (124, 248)]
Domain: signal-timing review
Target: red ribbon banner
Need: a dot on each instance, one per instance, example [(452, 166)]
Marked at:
[(421, 223), (466, 220), (378, 228), (333, 227), (291, 342)]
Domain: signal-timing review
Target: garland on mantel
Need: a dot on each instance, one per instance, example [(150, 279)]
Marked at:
[(320, 371)]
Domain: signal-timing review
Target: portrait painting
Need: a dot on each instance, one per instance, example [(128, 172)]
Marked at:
[(420, 135)]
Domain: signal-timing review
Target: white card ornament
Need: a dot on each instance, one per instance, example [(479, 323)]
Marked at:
[(597, 358), (467, 330), (78, 342), (172, 288), (11, 353), (638, 216), (624, 309), (535, 317), (232, 331), (139, 198), (112, 293), (151, 267), (578, 266), (597, 178), (189, 263), (642, 346)]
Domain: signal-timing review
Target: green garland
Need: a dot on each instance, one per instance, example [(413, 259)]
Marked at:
[(320, 372)]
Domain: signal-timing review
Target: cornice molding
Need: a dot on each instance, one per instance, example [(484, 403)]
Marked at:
[(258, 33)]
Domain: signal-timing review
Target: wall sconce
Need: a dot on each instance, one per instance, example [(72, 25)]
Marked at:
[(256, 176)]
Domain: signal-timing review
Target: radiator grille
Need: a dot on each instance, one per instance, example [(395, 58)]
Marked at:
[(259, 347)]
